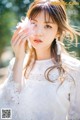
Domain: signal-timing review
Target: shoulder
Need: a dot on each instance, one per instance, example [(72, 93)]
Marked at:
[(70, 61), (73, 66)]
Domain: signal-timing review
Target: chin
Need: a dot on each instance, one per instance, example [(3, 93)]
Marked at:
[(36, 47)]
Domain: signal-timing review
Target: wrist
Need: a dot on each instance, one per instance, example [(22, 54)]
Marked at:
[(19, 61)]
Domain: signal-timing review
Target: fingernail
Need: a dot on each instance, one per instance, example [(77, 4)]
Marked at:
[(20, 31)]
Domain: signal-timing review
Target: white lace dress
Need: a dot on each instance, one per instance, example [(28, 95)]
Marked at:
[(41, 99)]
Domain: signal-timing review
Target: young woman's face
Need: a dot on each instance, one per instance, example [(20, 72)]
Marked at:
[(44, 33)]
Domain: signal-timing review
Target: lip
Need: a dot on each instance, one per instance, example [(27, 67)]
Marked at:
[(38, 41)]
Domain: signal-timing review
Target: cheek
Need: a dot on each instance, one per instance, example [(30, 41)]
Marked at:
[(31, 38), (52, 32), (50, 36)]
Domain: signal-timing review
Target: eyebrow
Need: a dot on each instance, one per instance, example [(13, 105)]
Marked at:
[(44, 22)]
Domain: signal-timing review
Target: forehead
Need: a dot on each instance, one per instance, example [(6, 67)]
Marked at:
[(43, 15)]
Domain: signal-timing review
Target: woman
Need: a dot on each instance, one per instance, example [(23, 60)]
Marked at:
[(43, 84)]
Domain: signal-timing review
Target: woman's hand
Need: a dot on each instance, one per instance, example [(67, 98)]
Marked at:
[(20, 38), (18, 43)]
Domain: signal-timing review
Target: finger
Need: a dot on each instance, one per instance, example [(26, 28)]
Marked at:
[(20, 32), (26, 31), (15, 33), (20, 43), (19, 39), (17, 29), (22, 40), (16, 37)]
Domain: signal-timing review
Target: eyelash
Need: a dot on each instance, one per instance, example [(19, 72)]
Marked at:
[(46, 26), (33, 23)]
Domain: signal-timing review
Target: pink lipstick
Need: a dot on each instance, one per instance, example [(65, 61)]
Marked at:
[(37, 41)]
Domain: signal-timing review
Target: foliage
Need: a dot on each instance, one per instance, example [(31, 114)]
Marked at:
[(11, 12)]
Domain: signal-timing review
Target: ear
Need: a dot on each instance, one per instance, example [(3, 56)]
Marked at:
[(57, 35)]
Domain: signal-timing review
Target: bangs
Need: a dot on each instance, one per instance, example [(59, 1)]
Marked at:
[(48, 13)]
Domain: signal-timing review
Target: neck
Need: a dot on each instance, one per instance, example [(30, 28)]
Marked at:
[(43, 54)]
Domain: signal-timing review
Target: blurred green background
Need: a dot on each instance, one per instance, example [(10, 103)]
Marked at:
[(11, 12)]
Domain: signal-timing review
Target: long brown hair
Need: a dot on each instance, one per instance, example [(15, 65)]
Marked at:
[(57, 12)]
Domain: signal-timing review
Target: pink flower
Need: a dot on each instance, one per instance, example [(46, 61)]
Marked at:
[(26, 26)]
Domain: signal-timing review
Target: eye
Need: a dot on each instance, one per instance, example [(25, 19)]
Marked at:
[(48, 26), (33, 23)]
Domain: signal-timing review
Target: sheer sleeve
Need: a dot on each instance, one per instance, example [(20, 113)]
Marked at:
[(74, 112), (9, 89)]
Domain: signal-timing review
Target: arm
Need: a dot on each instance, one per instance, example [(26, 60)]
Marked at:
[(14, 83), (11, 89), (17, 74), (74, 112)]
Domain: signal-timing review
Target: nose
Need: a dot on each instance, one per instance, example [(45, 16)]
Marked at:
[(39, 32)]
